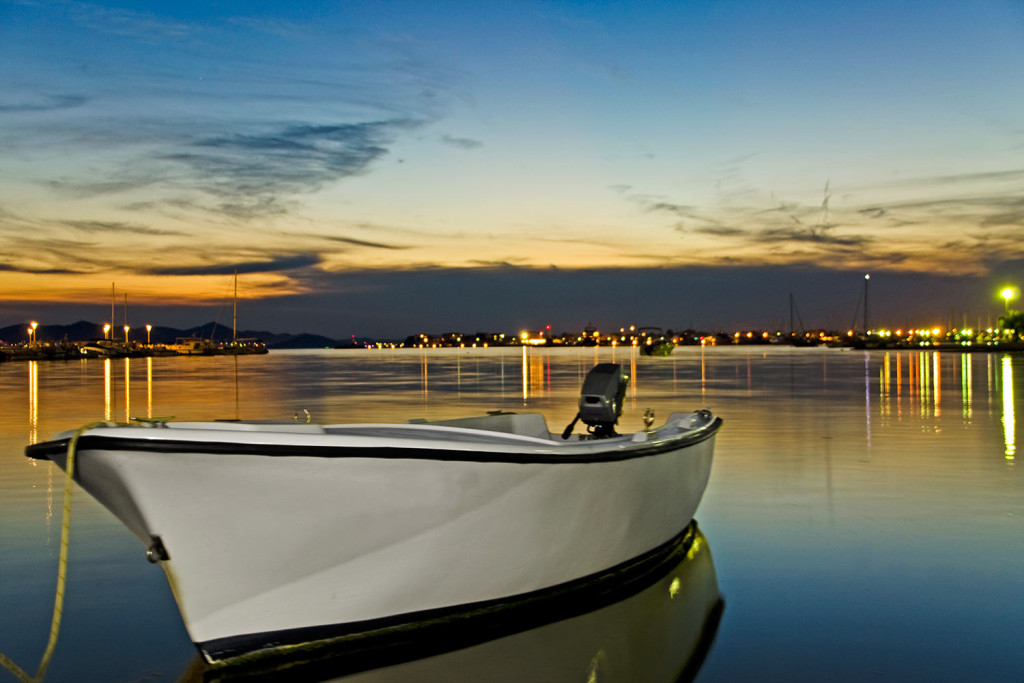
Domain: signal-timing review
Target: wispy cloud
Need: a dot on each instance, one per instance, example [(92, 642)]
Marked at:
[(461, 143), (265, 126), (363, 243), (38, 245), (118, 21), (10, 268), (83, 189), (887, 226), (39, 102), (986, 177), (117, 227), (239, 175), (270, 265), (295, 158), (816, 235), (56, 255), (249, 172)]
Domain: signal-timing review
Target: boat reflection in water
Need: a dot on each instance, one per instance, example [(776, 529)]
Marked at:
[(653, 624)]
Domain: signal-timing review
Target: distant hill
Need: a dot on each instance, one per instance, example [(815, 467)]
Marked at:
[(299, 341), (80, 331), (86, 331)]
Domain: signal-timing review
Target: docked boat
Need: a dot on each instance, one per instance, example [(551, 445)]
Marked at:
[(104, 348), (653, 342), (193, 346), (242, 347), (659, 347), (277, 536)]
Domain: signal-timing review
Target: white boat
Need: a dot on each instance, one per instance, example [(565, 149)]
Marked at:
[(279, 535)]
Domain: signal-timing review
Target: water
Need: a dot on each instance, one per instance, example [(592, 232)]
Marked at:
[(865, 511)]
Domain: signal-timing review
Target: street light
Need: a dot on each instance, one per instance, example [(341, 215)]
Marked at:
[(126, 328), (149, 328), (1007, 295), (32, 331), (106, 331)]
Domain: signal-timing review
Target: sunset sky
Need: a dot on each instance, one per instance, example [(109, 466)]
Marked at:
[(392, 167)]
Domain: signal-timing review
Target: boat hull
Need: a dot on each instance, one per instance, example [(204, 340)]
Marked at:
[(271, 540), (654, 621)]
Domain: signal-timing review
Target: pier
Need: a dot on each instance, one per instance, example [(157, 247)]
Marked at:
[(72, 350)]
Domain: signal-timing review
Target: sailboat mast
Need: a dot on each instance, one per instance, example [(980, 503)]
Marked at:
[(867, 277), (234, 316)]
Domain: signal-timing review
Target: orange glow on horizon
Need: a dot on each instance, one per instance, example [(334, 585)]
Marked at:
[(144, 289)]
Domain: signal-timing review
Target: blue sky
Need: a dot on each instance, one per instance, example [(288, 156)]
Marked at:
[(726, 152)]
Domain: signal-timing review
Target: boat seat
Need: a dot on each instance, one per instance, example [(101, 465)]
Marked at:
[(522, 424)]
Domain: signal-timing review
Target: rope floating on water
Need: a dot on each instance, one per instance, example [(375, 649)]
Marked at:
[(62, 563)]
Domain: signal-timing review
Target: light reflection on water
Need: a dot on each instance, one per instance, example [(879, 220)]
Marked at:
[(1009, 423), (843, 482)]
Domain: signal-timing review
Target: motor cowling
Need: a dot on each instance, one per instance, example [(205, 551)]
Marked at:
[(601, 398)]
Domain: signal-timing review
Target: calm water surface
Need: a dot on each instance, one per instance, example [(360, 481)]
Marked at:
[(865, 512)]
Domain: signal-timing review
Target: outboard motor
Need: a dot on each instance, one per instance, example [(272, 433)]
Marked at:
[(601, 400)]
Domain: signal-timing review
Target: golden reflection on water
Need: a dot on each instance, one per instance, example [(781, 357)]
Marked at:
[(535, 374), (127, 390), (910, 383), (913, 381), (33, 401), (992, 376), (965, 384), (924, 383), (899, 385), (526, 377), (458, 376), (924, 387), (424, 375), (634, 379), (1009, 423), (107, 395), (867, 397), (703, 374)]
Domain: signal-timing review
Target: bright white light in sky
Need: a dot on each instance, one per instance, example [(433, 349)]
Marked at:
[(164, 144)]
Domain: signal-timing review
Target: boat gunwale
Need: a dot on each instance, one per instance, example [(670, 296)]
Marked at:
[(516, 453)]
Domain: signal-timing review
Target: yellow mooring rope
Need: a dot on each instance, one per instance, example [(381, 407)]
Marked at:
[(62, 564)]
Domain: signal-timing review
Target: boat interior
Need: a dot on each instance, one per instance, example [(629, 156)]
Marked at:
[(496, 426)]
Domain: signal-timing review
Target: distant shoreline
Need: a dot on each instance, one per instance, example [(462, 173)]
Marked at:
[(87, 339), (69, 351)]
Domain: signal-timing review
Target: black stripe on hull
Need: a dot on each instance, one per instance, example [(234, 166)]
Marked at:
[(348, 648), (48, 449)]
